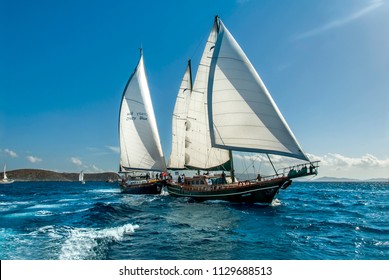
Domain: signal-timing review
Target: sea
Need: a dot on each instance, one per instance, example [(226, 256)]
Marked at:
[(94, 221)]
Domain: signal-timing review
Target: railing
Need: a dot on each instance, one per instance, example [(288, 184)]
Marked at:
[(300, 170)]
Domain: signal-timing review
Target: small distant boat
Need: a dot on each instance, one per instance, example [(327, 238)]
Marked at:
[(5, 179), (228, 108), (81, 177), (140, 146)]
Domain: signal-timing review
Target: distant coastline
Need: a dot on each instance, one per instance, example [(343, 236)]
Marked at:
[(47, 175), (336, 179)]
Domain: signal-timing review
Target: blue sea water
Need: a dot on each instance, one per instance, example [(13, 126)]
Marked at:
[(308, 221)]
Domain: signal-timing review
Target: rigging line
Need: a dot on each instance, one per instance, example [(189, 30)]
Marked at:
[(200, 44), (272, 164)]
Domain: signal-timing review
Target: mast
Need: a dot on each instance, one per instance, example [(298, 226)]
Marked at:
[(232, 171)]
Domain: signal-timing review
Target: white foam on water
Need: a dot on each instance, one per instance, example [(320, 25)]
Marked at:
[(164, 192), (75, 211), (18, 215), (37, 206), (16, 203), (43, 213), (68, 200), (276, 202), (51, 231), (382, 243), (104, 191), (90, 243)]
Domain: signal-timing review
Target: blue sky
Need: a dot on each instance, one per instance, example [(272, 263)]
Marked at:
[(64, 65)]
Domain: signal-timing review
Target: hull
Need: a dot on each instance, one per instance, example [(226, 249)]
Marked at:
[(250, 192), (143, 188), (6, 182)]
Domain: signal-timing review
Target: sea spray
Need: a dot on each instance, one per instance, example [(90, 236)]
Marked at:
[(88, 243)]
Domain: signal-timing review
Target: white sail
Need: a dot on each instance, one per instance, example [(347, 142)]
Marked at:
[(243, 114), (140, 146), (180, 113), (199, 152), (81, 176), (5, 174)]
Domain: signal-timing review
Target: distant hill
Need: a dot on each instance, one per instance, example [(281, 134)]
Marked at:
[(336, 179), (46, 175)]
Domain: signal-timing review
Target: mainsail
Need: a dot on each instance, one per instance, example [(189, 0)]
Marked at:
[(199, 154), (140, 146), (243, 115)]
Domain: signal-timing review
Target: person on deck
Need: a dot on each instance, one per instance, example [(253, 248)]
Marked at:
[(224, 177)]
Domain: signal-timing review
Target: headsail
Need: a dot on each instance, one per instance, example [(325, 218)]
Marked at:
[(180, 113), (243, 115), (140, 146), (199, 152)]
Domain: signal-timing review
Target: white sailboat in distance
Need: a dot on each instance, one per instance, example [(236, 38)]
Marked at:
[(5, 179), (81, 177)]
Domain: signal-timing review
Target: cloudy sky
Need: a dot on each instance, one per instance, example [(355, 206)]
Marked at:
[(64, 65)]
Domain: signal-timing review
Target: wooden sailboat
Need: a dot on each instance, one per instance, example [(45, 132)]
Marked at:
[(228, 108), (140, 148)]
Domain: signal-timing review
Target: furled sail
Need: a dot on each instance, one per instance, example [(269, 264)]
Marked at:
[(243, 115), (199, 152), (180, 113), (140, 146)]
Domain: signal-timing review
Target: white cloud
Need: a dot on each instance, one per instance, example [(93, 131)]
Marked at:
[(331, 164), (337, 160), (33, 159), (371, 6), (114, 149), (95, 168), (11, 153), (76, 161)]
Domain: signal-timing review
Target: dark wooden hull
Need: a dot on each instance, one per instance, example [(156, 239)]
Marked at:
[(145, 188), (250, 192)]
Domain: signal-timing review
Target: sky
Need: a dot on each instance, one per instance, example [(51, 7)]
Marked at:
[(64, 65)]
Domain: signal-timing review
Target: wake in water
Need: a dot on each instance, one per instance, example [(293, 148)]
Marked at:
[(87, 243)]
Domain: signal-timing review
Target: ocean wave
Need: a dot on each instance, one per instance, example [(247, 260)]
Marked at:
[(68, 200), (382, 243), (39, 206), (104, 191), (89, 243), (44, 213)]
